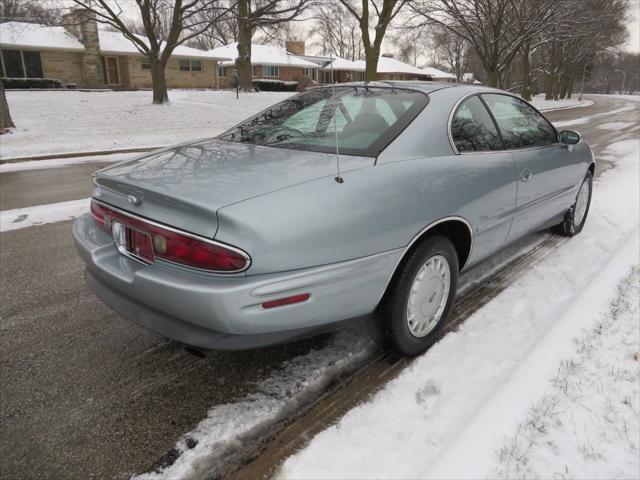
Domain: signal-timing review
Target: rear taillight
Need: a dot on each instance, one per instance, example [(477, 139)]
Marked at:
[(173, 245)]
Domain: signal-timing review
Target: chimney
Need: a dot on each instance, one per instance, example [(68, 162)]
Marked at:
[(81, 23), (387, 55), (294, 46)]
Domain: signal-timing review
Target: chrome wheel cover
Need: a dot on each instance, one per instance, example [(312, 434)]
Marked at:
[(428, 296), (581, 204)]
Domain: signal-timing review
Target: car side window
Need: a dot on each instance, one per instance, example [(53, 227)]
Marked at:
[(472, 128), (521, 125)]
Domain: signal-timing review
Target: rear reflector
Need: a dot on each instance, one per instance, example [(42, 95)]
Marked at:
[(170, 244), (303, 297)]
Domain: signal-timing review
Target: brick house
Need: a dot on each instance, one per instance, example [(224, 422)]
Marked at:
[(81, 54), (391, 69), (268, 62)]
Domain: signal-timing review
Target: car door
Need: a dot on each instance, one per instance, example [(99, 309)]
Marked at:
[(545, 171), (489, 172)]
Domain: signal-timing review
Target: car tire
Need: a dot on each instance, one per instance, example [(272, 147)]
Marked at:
[(421, 296), (576, 216)]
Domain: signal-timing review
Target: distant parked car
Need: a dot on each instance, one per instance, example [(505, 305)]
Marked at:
[(255, 237)]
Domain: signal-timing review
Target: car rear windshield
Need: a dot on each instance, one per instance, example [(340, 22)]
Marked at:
[(362, 120)]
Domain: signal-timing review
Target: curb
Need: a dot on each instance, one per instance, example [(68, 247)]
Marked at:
[(79, 154)]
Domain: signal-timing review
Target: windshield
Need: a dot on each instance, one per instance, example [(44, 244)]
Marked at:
[(364, 118)]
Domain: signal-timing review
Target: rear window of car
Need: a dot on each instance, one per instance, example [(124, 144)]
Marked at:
[(362, 119)]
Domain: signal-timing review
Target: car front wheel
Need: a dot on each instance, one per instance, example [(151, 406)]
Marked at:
[(576, 216), (421, 296)]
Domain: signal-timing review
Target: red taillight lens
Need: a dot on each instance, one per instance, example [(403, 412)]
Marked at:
[(171, 245)]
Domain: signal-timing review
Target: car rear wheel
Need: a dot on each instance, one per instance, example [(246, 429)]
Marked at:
[(421, 296), (576, 216)]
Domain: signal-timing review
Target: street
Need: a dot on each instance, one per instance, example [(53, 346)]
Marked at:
[(86, 393)]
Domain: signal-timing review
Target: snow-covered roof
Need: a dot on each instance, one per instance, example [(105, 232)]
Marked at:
[(436, 73), (344, 64), (391, 65), (116, 43), (263, 55), (32, 35)]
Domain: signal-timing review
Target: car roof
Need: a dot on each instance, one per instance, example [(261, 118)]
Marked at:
[(422, 86)]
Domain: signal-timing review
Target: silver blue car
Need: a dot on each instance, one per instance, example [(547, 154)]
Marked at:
[(335, 204)]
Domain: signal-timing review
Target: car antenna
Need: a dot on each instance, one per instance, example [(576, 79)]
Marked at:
[(338, 178)]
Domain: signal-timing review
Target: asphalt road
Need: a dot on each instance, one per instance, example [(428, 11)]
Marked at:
[(83, 392)]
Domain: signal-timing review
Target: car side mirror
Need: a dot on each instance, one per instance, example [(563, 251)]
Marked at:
[(569, 138)]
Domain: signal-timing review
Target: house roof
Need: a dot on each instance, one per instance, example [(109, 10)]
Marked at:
[(263, 55), (437, 73), (32, 35), (391, 65), (344, 64), (117, 44)]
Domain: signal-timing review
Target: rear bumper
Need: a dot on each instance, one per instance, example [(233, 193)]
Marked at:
[(225, 312)]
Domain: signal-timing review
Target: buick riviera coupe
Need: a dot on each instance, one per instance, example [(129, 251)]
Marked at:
[(365, 200)]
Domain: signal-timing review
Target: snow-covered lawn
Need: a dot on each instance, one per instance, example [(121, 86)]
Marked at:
[(51, 122), (66, 121), (470, 407), (543, 105)]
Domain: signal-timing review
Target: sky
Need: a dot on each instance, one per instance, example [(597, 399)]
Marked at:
[(633, 23)]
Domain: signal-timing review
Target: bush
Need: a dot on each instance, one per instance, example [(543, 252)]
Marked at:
[(269, 85), (10, 83)]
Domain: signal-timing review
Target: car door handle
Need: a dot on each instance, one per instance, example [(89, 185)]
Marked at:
[(525, 174)]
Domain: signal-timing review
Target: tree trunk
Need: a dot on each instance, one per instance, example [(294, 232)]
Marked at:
[(5, 115), (159, 82), (493, 77), (526, 74), (245, 32), (371, 56)]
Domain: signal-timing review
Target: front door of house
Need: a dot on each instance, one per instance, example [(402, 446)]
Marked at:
[(112, 70)]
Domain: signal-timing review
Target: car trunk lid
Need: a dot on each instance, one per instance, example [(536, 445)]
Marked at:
[(184, 186)]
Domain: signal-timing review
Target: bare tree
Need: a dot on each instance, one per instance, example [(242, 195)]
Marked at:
[(382, 12), (338, 31), (260, 14), (167, 24), (410, 43), (222, 31), (454, 51), (5, 115), (33, 11), (495, 29)]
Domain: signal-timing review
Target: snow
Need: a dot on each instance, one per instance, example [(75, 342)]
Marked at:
[(275, 398), (31, 35), (40, 214), (391, 65), (339, 63), (548, 105), (263, 55), (50, 122), (438, 74), (447, 415), (63, 162), (116, 43), (591, 410)]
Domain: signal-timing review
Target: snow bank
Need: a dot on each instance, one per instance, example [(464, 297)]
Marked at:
[(549, 105), (74, 121), (41, 214), (445, 415)]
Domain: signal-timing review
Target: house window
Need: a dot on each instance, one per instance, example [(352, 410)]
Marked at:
[(22, 64), (145, 63), (360, 76), (257, 71), (190, 65), (305, 71), (222, 71), (270, 71)]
